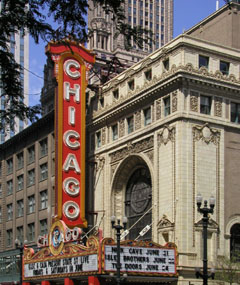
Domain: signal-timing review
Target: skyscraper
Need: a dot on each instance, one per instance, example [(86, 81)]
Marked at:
[(19, 46), (155, 15)]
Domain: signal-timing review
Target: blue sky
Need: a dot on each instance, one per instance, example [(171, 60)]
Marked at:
[(187, 13)]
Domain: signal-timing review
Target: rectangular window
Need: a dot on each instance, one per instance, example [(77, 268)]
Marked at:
[(20, 160), (31, 232), (147, 116), (10, 166), (148, 74), (43, 147), (9, 187), (43, 199), (167, 106), (235, 112), (130, 124), (9, 212), (20, 207), (203, 61), (20, 182), (131, 85), (9, 237), (43, 227), (43, 171), (31, 204), (31, 154), (31, 177), (19, 234), (205, 104), (98, 139), (116, 94), (114, 132), (224, 67)]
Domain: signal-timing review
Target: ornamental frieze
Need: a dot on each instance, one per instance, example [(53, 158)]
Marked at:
[(193, 101), (164, 223), (174, 101), (166, 134), (206, 134), (218, 107), (132, 148)]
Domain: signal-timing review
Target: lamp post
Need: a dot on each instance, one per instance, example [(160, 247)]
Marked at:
[(205, 211), (118, 229), (20, 246)]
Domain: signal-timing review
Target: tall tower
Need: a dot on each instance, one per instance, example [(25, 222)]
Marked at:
[(155, 15), (19, 46)]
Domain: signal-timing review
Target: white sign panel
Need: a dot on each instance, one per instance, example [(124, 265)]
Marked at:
[(141, 259), (75, 264)]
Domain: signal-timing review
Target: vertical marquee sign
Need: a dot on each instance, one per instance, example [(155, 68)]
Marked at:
[(72, 62)]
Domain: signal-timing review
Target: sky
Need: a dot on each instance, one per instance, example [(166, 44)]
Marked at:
[(187, 13)]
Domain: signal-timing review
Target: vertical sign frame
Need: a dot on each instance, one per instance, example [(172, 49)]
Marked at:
[(71, 65)]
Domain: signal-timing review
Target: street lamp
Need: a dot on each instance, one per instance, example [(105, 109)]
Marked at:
[(20, 246), (205, 211), (118, 229)]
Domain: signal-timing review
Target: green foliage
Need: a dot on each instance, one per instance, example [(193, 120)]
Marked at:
[(70, 22), (229, 269)]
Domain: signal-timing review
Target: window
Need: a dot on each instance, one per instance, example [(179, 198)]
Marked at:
[(20, 160), (31, 204), (0, 190), (31, 232), (235, 112), (235, 242), (0, 214), (43, 227), (19, 234), (138, 201), (10, 166), (203, 61), (224, 67), (20, 182), (31, 154), (147, 116), (43, 147), (116, 94), (98, 139), (166, 64), (43, 171), (130, 124), (31, 177), (167, 106), (43, 199), (9, 237), (9, 212), (205, 104), (131, 85), (9, 187), (20, 207), (148, 74), (114, 132)]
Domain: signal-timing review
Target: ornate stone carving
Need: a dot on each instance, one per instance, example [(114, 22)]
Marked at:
[(100, 161), (150, 155), (164, 223), (193, 101), (212, 225), (132, 148), (104, 136), (121, 128), (166, 134), (206, 134), (218, 107), (174, 101), (158, 109), (137, 120)]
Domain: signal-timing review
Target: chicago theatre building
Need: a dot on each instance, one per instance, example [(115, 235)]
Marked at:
[(157, 135)]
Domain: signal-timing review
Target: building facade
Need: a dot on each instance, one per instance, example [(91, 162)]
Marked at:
[(161, 132), (19, 47), (156, 16)]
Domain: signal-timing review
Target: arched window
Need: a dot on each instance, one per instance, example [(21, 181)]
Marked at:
[(138, 201), (235, 241)]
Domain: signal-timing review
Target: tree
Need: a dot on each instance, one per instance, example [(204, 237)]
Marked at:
[(229, 269), (70, 19)]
